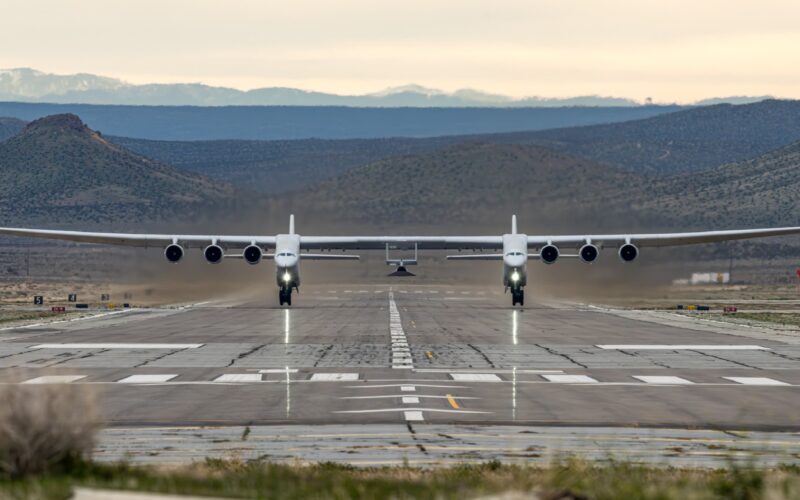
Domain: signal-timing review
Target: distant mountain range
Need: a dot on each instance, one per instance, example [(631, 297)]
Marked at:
[(29, 85)]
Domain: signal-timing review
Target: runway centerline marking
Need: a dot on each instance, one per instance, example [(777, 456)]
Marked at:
[(116, 346), (755, 381), (410, 400), (408, 388), (54, 379), (401, 354), (413, 416), (681, 347)]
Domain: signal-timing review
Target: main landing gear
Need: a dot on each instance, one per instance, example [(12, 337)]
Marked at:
[(517, 296), (285, 295)]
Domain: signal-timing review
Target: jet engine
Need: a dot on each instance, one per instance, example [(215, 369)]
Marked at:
[(173, 253), (628, 252), (589, 253), (213, 254), (252, 254), (549, 254)]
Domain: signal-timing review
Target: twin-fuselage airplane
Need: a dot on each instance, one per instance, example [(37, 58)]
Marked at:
[(290, 248)]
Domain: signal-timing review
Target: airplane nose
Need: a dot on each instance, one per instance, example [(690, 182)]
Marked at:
[(514, 260), (285, 261)]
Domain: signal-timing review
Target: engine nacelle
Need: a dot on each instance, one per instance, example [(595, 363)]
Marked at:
[(252, 254), (213, 254), (173, 253), (549, 254), (589, 253), (628, 252)]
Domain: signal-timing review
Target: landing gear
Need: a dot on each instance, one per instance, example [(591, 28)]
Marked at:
[(517, 296), (285, 296)]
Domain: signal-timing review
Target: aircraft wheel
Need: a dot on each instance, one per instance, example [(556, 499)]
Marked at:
[(521, 298), (288, 299)]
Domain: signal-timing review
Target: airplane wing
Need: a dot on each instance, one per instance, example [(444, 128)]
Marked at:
[(139, 240), (661, 239), (421, 242)]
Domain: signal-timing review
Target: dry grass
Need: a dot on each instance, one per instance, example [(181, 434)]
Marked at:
[(45, 428)]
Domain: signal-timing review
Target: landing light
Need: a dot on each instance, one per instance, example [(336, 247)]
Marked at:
[(515, 276), (287, 277)]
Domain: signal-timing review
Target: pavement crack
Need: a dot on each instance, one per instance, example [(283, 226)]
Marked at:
[(324, 353), (169, 353), (413, 433), (483, 355), (245, 354), (728, 360), (565, 356)]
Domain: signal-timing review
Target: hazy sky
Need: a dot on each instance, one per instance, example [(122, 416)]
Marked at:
[(672, 50)]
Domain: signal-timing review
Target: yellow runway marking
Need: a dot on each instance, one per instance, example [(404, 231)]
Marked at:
[(452, 402), (429, 354)]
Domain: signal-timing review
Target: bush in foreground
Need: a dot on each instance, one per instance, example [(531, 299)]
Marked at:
[(45, 428)]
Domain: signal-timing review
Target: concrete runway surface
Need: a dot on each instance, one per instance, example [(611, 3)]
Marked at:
[(381, 373)]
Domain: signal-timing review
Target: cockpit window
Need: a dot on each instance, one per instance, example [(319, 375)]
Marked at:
[(514, 253), (285, 254)]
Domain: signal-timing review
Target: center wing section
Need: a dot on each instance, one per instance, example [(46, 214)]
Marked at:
[(422, 242)]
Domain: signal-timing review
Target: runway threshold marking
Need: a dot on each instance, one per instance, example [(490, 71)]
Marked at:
[(681, 347), (54, 379), (413, 416), (570, 379), (452, 402), (410, 400), (655, 379), (755, 381), (147, 379), (116, 346), (334, 377), (475, 377), (239, 377)]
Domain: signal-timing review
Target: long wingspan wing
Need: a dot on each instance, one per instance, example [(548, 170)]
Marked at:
[(139, 240), (662, 239)]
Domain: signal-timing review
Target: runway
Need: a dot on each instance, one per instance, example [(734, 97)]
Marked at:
[(388, 355)]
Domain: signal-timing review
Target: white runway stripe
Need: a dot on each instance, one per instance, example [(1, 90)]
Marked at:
[(413, 416), (334, 377), (682, 347), (54, 379), (401, 354), (570, 379), (410, 400), (475, 377), (408, 388), (116, 346), (663, 380), (755, 381), (239, 377), (147, 379)]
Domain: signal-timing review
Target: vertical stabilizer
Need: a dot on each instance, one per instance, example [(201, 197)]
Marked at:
[(291, 224), (513, 224)]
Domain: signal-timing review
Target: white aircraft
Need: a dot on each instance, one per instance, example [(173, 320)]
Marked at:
[(290, 248)]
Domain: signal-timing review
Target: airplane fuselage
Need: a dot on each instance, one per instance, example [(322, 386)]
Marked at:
[(287, 261), (515, 258)]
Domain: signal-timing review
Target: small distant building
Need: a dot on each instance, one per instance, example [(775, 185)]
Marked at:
[(710, 278)]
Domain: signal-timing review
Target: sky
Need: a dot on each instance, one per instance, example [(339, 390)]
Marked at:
[(669, 50)]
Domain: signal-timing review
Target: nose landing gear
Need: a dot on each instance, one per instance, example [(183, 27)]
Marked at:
[(285, 295), (517, 296)]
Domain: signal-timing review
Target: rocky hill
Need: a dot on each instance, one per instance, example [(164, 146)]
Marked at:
[(10, 127), (58, 169)]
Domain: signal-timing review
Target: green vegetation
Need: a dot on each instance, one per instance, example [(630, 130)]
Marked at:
[(10, 127), (569, 480)]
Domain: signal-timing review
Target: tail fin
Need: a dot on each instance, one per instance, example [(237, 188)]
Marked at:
[(513, 224), (291, 224)]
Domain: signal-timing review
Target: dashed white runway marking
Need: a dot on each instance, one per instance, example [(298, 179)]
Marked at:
[(682, 347), (570, 379), (475, 377), (410, 400), (279, 370), (147, 379), (239, 377), (116, 346), (755, 381), (648, 379), (413, 416), (401, 354), (54, 379), (334, 377), (408, 388)]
